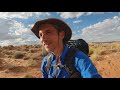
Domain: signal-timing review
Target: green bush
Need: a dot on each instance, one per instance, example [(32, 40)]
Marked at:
[(18, 55), (91, 52)]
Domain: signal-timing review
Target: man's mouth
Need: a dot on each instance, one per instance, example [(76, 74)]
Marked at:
[(47, 44)]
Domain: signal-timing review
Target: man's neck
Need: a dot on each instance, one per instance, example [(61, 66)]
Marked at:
[(58, 51)]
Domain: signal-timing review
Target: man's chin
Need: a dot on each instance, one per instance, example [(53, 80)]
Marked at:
[(48, 50)]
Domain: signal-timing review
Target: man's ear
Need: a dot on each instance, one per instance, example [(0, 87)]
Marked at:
[(62, 34)]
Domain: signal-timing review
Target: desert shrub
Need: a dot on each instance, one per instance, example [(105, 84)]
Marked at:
[(26, 46), (10, 47), (5, 47), (94, 57), (32, 50), (8, 52), (18, 55), (1, 55), (32, 63), (36, 46), (91, 51), (28, 76), (9, 56), (17, 69), (26, 49), (36, 57), (26, 58)]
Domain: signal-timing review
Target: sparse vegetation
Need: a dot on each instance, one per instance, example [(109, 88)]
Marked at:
[(32, 63), (32, 50), (91, 52), (28, 76), (18, 55), (105, 56), (10, 47), (26, 58), (17, 69)]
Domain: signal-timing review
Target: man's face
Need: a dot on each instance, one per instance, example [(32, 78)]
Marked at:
[(49, 37)]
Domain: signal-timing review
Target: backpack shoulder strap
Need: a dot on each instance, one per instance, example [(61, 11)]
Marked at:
[(48, 63), (70, 62)]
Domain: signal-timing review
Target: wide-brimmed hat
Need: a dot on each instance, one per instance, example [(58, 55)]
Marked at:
[(53, 21)]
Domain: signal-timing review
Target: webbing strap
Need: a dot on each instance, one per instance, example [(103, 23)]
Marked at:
[(70, 62), (48, 64)]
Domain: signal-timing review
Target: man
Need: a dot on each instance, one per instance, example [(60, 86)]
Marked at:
[(54, 34)]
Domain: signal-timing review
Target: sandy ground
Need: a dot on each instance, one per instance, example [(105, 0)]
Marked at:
[(12, 68), (107, 64)]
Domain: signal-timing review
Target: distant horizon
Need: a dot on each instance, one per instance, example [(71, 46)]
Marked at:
[(15, 27), (41, 44)]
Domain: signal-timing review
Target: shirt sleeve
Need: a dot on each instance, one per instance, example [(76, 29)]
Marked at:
[(85, 66), (44, 74)]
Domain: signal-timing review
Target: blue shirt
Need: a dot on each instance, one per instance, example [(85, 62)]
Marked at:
[(82, 63)]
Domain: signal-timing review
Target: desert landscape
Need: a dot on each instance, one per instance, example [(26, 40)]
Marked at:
[(24, 61)]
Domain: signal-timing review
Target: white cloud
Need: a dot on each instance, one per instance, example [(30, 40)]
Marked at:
[(90, 13), (18, 28), (13, 32), (18, 41), (77, 21), (107, 30), (22, 15), (5, 25), (93, 13), (67, 15), (11, 29)]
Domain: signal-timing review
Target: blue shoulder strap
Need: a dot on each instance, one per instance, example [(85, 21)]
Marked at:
[(70, 63)]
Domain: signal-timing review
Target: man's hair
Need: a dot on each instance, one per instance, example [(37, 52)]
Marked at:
[(59, 29)]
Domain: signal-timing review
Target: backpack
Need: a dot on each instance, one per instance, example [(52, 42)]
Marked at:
[(80, 44), (75, 46)]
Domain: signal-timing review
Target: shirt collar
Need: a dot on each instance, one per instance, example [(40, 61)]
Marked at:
[(63, 54)]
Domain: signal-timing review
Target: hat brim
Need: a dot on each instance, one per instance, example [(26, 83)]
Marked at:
[(54, 21)]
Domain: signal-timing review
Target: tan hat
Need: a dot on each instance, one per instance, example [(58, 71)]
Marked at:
[(54, 21)]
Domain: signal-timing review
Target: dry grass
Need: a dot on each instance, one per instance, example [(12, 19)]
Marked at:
[(17, 61), (106, 58), (24, 61), (103, 48)]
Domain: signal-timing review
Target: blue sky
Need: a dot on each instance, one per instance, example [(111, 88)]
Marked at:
[(91, 26)]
